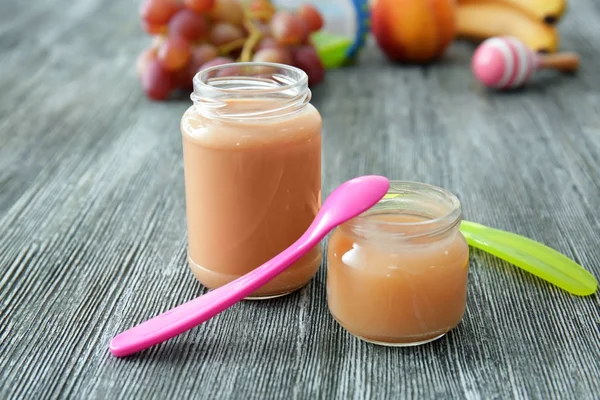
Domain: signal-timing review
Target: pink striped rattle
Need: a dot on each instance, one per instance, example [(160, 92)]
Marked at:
[(505, 62)]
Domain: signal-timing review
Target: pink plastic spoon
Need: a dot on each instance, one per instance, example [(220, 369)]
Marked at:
[(347, 201)]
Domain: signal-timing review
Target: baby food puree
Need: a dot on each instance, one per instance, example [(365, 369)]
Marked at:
[(252, 161), (397, 275)]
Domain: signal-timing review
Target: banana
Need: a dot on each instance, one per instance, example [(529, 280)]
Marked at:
[(547, 11), (479, 21)]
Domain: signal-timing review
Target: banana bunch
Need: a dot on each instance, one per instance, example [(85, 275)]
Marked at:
[(531, 21)]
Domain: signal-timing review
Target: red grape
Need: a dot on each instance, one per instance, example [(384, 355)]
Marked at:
[(228, 11), (199, 6), (188, 25), (267, 43), (280, 55), (158, 41), (203, 53), (156, 81), (223, 33), (229, 71), (287, 28), (307, 59), (158, 12), (154, 29), (305, 37), (264, 29), (144, 59), (200, 56), (216, 61), (175, 53), (262, 10), (311, 16)]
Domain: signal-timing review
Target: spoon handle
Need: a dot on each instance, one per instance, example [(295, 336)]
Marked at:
[(531, 256), (193, 313)]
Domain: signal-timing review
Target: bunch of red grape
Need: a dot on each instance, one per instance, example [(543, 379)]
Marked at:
[(189, 35)]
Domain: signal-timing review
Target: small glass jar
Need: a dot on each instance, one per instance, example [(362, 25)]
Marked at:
[(397, 274), (252, 162)]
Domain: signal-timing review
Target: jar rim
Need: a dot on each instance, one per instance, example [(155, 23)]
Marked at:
[(285, 84), (438, 223), (202, 77)]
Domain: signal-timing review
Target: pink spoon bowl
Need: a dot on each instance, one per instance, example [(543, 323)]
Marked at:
[(349, 200)]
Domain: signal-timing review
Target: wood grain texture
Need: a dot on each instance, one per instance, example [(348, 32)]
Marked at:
[(93, 237)]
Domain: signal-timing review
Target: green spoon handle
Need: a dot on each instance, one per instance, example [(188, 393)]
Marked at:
[(532, 256)]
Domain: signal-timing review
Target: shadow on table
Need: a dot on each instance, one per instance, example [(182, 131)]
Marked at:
[(193, 347), (217, 346), (538, 85)]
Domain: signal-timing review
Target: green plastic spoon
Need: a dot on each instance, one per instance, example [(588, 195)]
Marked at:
[(532, 256)]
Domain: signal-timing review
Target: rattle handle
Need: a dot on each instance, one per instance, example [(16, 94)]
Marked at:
[(564, 62)]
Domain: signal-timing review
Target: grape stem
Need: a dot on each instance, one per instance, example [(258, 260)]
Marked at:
[(265, 15), (251, 42), (253, 39), (229, 47)]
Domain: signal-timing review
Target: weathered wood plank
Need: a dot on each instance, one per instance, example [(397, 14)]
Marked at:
[(92, 224)]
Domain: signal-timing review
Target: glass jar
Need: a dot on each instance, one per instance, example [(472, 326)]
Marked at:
[(252, 162), (397, 274)]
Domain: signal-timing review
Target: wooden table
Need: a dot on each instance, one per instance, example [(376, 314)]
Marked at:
[(93, 230)]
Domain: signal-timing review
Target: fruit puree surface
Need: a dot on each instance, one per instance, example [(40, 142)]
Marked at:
[(253, 186), (400, 290)]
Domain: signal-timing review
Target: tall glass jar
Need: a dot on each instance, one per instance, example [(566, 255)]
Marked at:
[(252, 161), (397, 274)]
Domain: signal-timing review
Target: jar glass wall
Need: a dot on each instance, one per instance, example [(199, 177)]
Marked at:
[(397, 274), (252, 161)]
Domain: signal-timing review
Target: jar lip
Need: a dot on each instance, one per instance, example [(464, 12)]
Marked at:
[(441, 222), (299, 77)]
